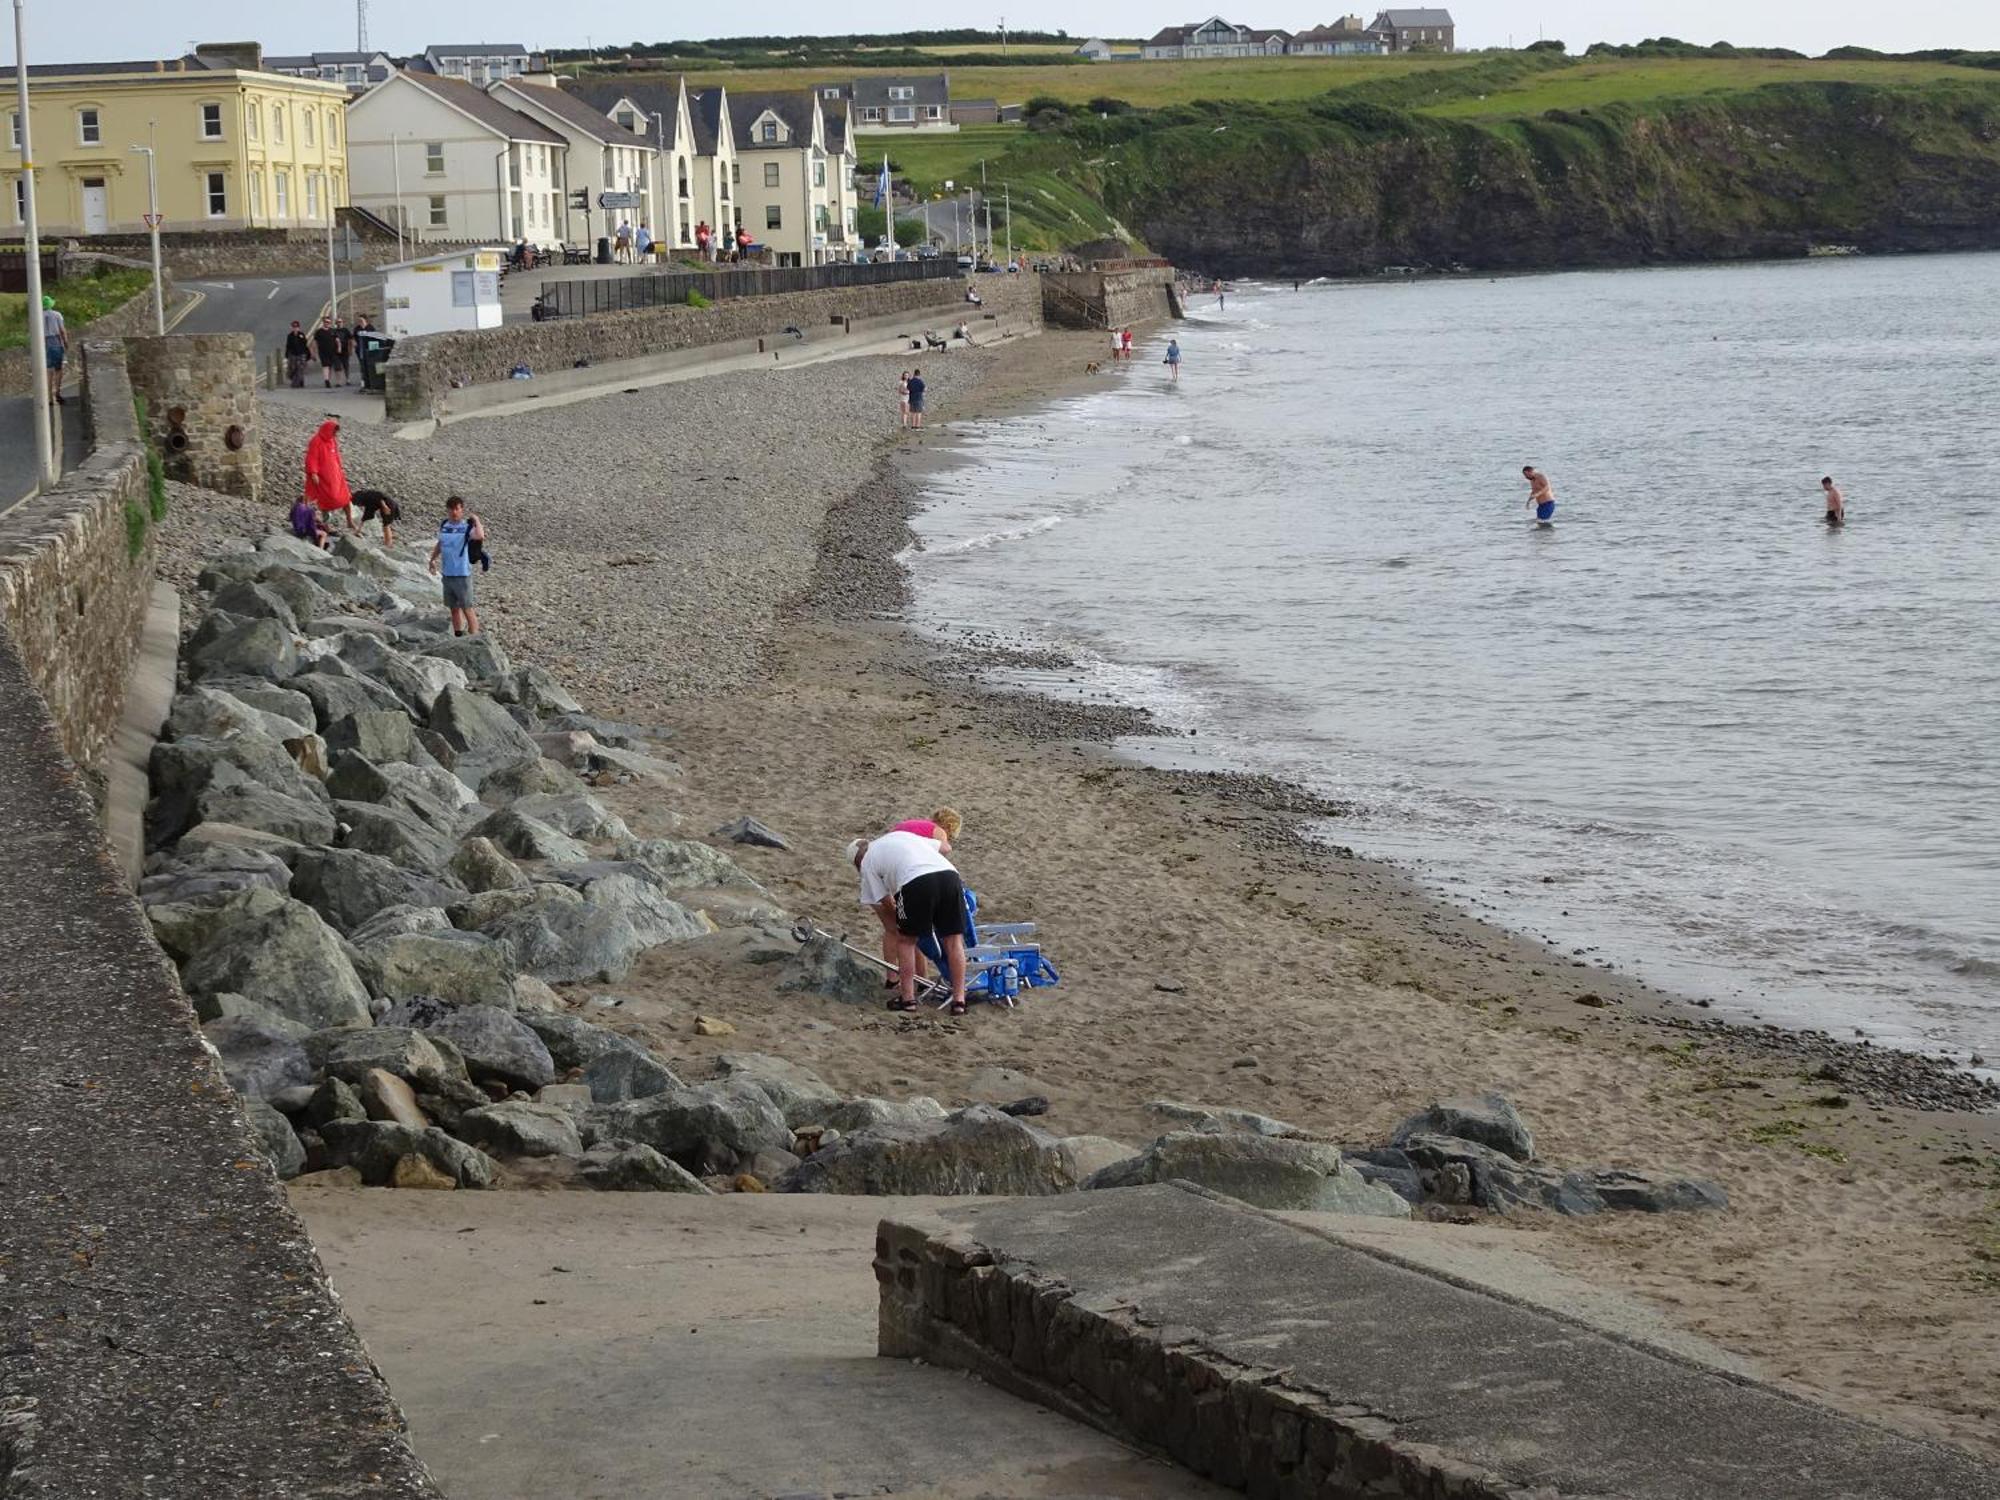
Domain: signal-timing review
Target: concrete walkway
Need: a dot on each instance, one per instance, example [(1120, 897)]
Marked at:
[(18, 478), (606, 1346)]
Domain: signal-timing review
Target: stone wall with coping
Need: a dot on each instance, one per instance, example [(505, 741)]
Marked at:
[(423, 368), (210, 380), (73, 589), (1116, 298)]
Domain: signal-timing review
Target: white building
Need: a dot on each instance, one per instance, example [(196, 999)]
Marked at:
[(442, 293), (603, 156), (658, 111), (480, 63), (1214, 37), (785, 179), (453, 164), (1095, 50)]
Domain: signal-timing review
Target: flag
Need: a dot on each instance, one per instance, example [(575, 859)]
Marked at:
[(882, 183)]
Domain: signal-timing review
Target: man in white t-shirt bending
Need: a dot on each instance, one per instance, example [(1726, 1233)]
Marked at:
[(914, 889)]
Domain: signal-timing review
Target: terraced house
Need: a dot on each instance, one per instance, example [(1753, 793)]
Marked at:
[(239, 147), (601, 155), (786, 179), (662, 114)]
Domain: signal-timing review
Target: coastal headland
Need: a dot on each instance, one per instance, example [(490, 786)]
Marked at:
[(749, 604)]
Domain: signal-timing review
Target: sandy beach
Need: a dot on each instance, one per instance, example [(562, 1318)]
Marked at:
[(718, 559)]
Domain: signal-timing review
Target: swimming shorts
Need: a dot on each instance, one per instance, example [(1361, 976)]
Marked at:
[(1545, 511), (1835, 518)]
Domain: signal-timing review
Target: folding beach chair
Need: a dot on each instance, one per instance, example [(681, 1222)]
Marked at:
[(1001, 958)]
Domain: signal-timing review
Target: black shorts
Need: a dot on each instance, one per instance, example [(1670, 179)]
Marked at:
[(932, 903)]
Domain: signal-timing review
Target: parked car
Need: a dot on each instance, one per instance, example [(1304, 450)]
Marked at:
[(965, 263), (927, 252)]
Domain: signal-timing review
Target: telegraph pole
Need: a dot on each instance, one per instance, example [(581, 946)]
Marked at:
[(45, 460), (153, 228), (1007, 212)]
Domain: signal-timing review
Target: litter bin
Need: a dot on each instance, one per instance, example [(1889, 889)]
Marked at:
[(374, 355), (604, 250)]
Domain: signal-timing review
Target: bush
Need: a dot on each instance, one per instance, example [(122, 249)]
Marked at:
[(909, 232), (135, 528), (1105, 105), (1547, 44), (696, 299)]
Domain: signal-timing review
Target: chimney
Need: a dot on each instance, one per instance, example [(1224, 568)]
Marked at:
[(245, 55)]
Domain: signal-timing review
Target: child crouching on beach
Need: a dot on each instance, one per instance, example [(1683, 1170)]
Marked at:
[(307, 526)]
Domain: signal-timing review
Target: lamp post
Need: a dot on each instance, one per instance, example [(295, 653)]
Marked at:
[(153, 229), (45, 460)]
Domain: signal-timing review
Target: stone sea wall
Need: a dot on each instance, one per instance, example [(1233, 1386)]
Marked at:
[(423, 368), (200, 392)]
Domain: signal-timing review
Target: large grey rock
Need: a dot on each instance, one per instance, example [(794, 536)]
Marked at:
[(180, 771), (430, 793), (575, 1043), (480, 656), (258, 1059), (748, 830), (852, 1115), (398, 921), (233, 799), (534, 690), (636, 892), (181, 928), (1488, 1120), (800, 1094), (261, 648), (527, 837), (977, 1150), (518, 1127), (399, 1050), (334, 1099), (1263, 1171), (305, 598), (480, 730), (287, 958), (1452, 1170), (502, 782), (396, 834), (228, 1007), (276, 701), (1213, 1120), (618, 1074), (275, 1135), (577, 814), (496, 1044), (823, 967), (336, 691), (480, 866), (531, 994), (373, 1147), (1089, 1154), (679, 862), (418, 680), (633, 1168), (348, 886), (255, 601), (377, 735), (211, 872), (465, 968), (558, 935), (207, 711), (707, 1129)]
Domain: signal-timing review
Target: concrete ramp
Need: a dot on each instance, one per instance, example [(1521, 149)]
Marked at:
[(1278, 1360)]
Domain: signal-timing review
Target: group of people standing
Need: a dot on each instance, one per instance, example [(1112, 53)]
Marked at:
[(910, 397), (331, 346), (910, 883)]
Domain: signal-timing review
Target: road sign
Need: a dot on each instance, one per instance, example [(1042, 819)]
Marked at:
[(154, 221), (617, 200)]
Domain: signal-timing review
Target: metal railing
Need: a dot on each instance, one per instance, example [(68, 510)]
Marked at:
[(14, 268), (587, 297)]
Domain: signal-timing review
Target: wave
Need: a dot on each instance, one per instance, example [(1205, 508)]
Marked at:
[(994, 538)]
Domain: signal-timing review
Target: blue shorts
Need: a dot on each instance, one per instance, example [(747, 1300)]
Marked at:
[(1545, 511), (55, 353), (457, 591)]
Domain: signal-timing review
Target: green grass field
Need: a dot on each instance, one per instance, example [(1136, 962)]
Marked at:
[(80, 299), (1591, 85)]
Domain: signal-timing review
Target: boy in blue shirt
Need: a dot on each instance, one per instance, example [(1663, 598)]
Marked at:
[(451, 558)]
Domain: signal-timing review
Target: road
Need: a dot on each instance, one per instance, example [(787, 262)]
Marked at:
[(17, 443), (262, 306)]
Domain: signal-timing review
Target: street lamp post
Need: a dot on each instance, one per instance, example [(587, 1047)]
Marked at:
[(153, 229), (31, 244)]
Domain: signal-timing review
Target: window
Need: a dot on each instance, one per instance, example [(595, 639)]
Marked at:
[(513, 169), (871, 112), (932, 112), (773, 217), (211, 124), (903, 91), (218, 190), (736, 171), (306, 120), (626, 118), (277, 124), (819, 174), (437, 212), (819, 218), (281, 192), (434, 158), (610, 177), (332, 128), (88, 131), (770, 131), (250, 125), (20, 200), (901, 112), (312, 195), (681, 166), (352, 73), (454, 67), (14, 126), (770, 174), (256, 190)]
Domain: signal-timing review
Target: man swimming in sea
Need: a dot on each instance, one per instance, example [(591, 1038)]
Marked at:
[(1836, 507), (1541, 494)]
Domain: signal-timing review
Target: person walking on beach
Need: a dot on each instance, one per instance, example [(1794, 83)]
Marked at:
[(451, 560), (1173, 360), (326, 476), (55, 347), (326, 348), (903, 397), (1125, 343), (1541, 494), (297, 352), (913, 890), (916, 398), (1836, 506)]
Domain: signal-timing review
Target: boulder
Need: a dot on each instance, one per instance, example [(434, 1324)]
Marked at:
[(250, 600), (276, 701), (466, 968), (329, 625), (229, 1007), (558, 935), (287, 958), (617, 1075), (636, 893), (417, 680), (975, 1151), (348, 886), (501, 783), (1456, 1171), (861, 1114), (244, 804), (275, 1135), (682, 862), (181, 928), (260, 648), (575, 813), (479, 730), (258, 1059), (750, 831), (1639, 1192), (336, 692), (569, 1096), (396, 834), (306, 599), (208, 711), (606, 731), (823, 967), (496, 1045), (536, 691), (1220, 1121), (235, 837), (428, 792), (334, 1099), (527, 837), (531, 994), (211, 873), (480, 866), (631, 766), (632, 1168), (1088, 1154), (397, 1050), (1263, 1171), (398, 921), (180, 771), (518, 1127), (479, 656), (1488, 1120), (709, 1129), (384, 1096), (574, 1043), (800, 1094), (378, 736), (308, 753), (375, 1147)]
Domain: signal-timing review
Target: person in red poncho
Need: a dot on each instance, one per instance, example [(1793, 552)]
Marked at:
[(326, 479)]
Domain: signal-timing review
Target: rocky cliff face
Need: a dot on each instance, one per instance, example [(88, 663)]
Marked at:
[(1332, 188)]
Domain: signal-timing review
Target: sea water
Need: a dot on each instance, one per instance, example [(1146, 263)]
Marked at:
[(1689, 729)]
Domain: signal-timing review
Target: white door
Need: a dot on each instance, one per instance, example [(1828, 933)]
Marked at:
[(95, 218)]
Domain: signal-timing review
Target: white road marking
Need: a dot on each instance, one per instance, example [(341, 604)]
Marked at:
[(275, 289)]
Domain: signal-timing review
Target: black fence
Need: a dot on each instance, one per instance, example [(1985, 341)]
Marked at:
[(584, 297), (14, 268)]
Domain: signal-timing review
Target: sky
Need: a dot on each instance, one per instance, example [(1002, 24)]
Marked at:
[(110, 30)]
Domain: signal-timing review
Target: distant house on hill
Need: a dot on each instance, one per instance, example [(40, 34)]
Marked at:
[(885, 104), (358, 70), (1416, 30), (1346, 37), (1095, 50), (1214, 37)]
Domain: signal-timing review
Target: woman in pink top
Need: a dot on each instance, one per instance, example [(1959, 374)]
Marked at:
[(941, 826)]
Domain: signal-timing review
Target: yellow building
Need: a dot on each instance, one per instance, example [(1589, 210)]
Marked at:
[(238, 148)]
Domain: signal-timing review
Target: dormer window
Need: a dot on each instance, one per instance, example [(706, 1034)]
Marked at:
[(770, 131), (902, 91)]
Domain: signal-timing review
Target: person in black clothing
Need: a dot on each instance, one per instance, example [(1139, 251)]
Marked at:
[(346, 348), (372, 503), (326, 348), (297, 352)]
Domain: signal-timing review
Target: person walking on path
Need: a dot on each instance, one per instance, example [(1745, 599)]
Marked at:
[(326, 348), (622, 245), (903, 397), (1173, 360), (1836, 504), (1541, 495), (917, 398), (344, 349), (326, 476), (297, 352), (645, 242), (913, 890), (451, 560), (55, 347), (1125, 343)]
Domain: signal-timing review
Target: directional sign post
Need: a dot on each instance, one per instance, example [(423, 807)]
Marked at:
[(617, 200)]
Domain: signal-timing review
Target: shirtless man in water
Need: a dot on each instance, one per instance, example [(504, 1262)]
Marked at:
[(1541, 494), (1836, 508)]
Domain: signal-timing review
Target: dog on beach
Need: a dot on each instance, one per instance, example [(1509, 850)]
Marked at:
[(1093, 367)]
